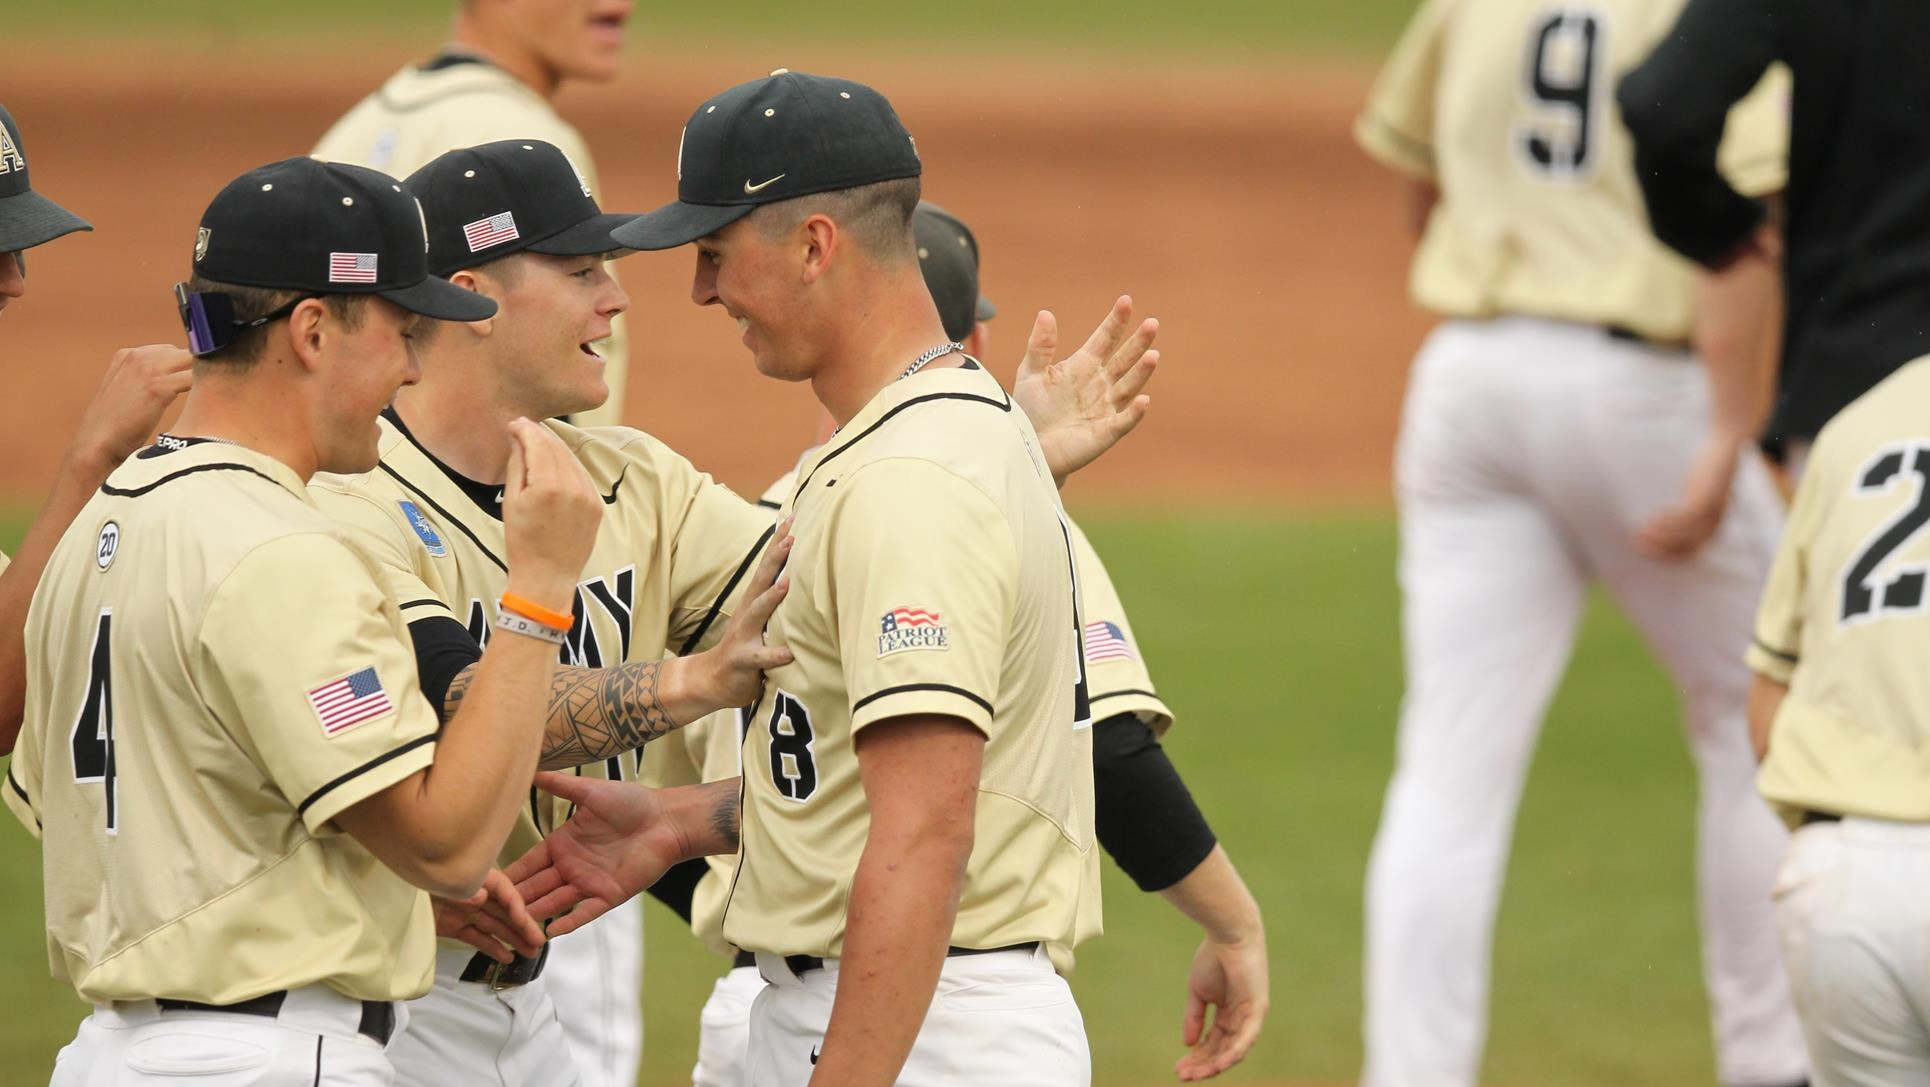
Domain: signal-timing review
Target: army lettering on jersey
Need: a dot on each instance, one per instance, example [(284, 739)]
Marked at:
[(460, 100), (672, 550), (1555, 226), (936, 493), (213, 675), (1845, 615)]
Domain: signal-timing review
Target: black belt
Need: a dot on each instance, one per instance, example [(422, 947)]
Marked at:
[(505, 975), (799, 964), (742, 959), (1629, 335), (378, 1016), (1821, 817)]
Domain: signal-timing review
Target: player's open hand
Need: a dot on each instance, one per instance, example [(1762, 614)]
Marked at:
[(1679, 532), (550, 515), (139, 385), (1232, 980), (732, 672), (1082, 405), (616, 844), (494, 920)]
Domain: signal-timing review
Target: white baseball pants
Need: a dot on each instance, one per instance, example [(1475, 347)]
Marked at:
[(1853, 905), (465, 1032), (314, 1041), (595, 978), (1002, 1018), (1530, 453), (724, 1030)]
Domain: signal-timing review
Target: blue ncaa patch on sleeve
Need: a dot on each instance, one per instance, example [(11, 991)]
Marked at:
[(423, 529)]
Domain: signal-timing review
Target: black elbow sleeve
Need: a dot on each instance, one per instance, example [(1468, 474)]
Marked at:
[(1146, 818), (443, 648)]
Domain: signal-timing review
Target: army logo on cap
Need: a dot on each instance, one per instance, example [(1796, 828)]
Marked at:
[(200, 244), (10, 157)]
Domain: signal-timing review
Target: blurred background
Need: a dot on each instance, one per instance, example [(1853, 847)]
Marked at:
[(1195, 155)]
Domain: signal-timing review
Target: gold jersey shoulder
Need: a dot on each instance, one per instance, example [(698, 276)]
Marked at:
[(1846, 613), (1115, 672), (423, 111), (213, 675), (663, 577), (1508, 108), (931, 574)]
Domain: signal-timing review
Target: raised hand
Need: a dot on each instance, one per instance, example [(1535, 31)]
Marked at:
[(731, 673), (618, 842), (139, 385), (494, 920), (550, 515), (1082, 405)]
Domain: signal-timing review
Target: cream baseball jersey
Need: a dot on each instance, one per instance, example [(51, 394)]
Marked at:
[(1541, 213), (460, 100), (212, 675), (1845, 616), (931, 574), (670, 553)]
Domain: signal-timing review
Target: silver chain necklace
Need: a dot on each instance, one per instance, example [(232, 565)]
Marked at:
[(918, 363)]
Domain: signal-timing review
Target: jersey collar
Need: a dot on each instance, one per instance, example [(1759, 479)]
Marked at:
[(968, 382)]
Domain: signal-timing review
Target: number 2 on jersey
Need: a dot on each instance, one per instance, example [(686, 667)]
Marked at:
[(1864, 595), (93, 737), (1565, 83)]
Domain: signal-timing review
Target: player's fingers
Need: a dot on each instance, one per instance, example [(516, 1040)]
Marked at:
[(1129, 353), (1194, 1022), (548, 906), (571, 787), (498, 932), (535, 880), (1130, 384), (1112, 329), (765, 658), (587, 911), (513, 480), (759, 611), (480, 940), (1042, 346), (1128, 418), (775, 556)]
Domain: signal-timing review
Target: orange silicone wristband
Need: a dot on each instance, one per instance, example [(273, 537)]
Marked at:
[(529, 609)]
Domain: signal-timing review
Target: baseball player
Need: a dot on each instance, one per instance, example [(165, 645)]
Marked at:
[(496, 79), (511, 221), (1144, 816), (140, 384), (1838, 705), (238, 785), (1548, 420), (917, 792)]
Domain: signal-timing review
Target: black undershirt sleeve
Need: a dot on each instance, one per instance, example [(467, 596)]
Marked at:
[(678, 886), (1146, 818), (443, 648), (1676, 104)]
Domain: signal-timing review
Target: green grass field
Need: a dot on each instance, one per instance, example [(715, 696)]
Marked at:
[(1273, 636)]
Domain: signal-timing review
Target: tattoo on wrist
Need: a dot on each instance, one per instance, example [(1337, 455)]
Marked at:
[(600, 713), (725, 815)]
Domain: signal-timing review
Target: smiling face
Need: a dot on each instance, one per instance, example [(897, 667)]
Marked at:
[(359, 371), (551, 311), (753, 277), (578, 39)]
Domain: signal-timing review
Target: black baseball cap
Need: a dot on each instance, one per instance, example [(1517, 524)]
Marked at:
[(27, 218), (302, 224), (948, 255), (511, 196), (788, 134)]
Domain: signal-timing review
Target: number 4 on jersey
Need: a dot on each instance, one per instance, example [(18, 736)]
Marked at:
[(93, 738)]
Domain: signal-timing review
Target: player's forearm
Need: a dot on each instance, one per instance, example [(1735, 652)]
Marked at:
[(1214, 897), (466, 802), (904, 901), (705, 816), (81, 474), (1738, 325)]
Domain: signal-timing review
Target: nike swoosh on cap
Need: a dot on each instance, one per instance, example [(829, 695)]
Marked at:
[(751, 190)]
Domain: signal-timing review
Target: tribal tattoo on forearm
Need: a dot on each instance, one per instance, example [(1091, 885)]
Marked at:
[(594, 713)]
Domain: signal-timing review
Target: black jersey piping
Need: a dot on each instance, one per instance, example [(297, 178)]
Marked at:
[(386, 756), (716, 606), (488, 503), (219, 466), (907, 687), (14, 784), (1121, 694), (447, 516), (424, 602), (1786, 658), (1006, 406)]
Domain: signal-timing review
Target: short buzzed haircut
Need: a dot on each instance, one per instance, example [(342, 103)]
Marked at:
[(251, 302), (877, 216)]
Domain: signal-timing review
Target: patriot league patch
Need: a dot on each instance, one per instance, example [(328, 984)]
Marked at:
[(911, 628)]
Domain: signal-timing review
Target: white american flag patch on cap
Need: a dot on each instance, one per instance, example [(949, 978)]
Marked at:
[(494, 230), (351, 267)]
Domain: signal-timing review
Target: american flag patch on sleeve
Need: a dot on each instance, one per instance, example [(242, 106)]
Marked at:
[(349, 701), (1106, 642)]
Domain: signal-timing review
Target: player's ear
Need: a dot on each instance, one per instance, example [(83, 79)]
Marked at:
[(307, 332), (818, 239), (978, 340), (470, 281)]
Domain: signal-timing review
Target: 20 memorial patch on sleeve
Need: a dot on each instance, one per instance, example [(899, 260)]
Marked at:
[(911, 628), (349, 701)]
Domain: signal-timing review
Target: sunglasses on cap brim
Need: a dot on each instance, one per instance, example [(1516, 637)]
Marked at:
[(209, 318)]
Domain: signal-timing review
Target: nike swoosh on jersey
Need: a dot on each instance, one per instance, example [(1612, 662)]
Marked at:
[(814, 1055), (750, 189)]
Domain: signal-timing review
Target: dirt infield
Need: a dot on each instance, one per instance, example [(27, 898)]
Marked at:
[(1231, 204)]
